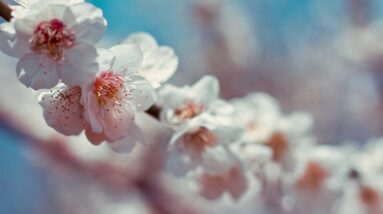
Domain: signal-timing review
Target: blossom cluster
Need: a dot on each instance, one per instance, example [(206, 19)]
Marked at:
[(244, 146), (85, 88)]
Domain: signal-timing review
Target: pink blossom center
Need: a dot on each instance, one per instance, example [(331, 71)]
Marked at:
[(52, 38), (198, 141), (109, 87), (313, 177), (278, 144), (369, 196), (188, 110)]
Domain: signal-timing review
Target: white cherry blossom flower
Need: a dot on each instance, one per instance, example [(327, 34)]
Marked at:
[(201, 143), (258, 113), (105, 107), (111, 100), (232, 181), (160, 62), (180, 105), (54, 41)]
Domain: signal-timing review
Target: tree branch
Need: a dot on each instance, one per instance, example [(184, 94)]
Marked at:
[(5, 11)]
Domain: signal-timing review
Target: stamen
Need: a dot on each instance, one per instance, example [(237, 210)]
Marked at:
[(188, 110), (109, 87), (52, 38), (198, 141)]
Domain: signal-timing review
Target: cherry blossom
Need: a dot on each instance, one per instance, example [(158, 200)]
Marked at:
[(202, 143), (111, 100), (233, 181), (159, 63), (54, 41), (105, 107), (180, 105)]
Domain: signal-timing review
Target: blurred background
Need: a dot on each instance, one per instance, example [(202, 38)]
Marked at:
[(323, 57)]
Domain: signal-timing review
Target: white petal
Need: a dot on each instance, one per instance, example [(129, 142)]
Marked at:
[(134, 135), (117, 120), (146, 42), (205, 90), (159, 65), (90, 24), (217, 160), (128, 59), (37, 71), (92, 111), (140, 92), (7, 37), (171, 97), (80, 64), (105, 59), (178, 163), (62, 109)]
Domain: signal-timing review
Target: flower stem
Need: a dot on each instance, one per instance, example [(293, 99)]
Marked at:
[(5, 11)]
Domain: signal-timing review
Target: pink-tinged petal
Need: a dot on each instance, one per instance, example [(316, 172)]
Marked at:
[(62, 109), (126, 144), (117, 120), (159, 65), (94, 138), (217, 160), (146, 42), (92, 111), (140, 92), (90, 24), (37, 71), (237, 184), (178, 162), (79, 65), (206, 90), (212, 186), (128, 59)]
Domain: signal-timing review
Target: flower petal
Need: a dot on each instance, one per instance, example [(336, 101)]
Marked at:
[(94, 138), (205, 90), (37, 71), (92, 111), (90, 24), (62, 109), (80, 64), (117, 120), (128, 59), (146, 42), (178, 163), (159, 65), (126, 144), (140, 92)]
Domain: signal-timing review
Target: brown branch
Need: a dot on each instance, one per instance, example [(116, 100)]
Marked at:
[(5, 11)]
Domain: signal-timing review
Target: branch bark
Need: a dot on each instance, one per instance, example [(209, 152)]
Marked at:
[(5, 11)]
